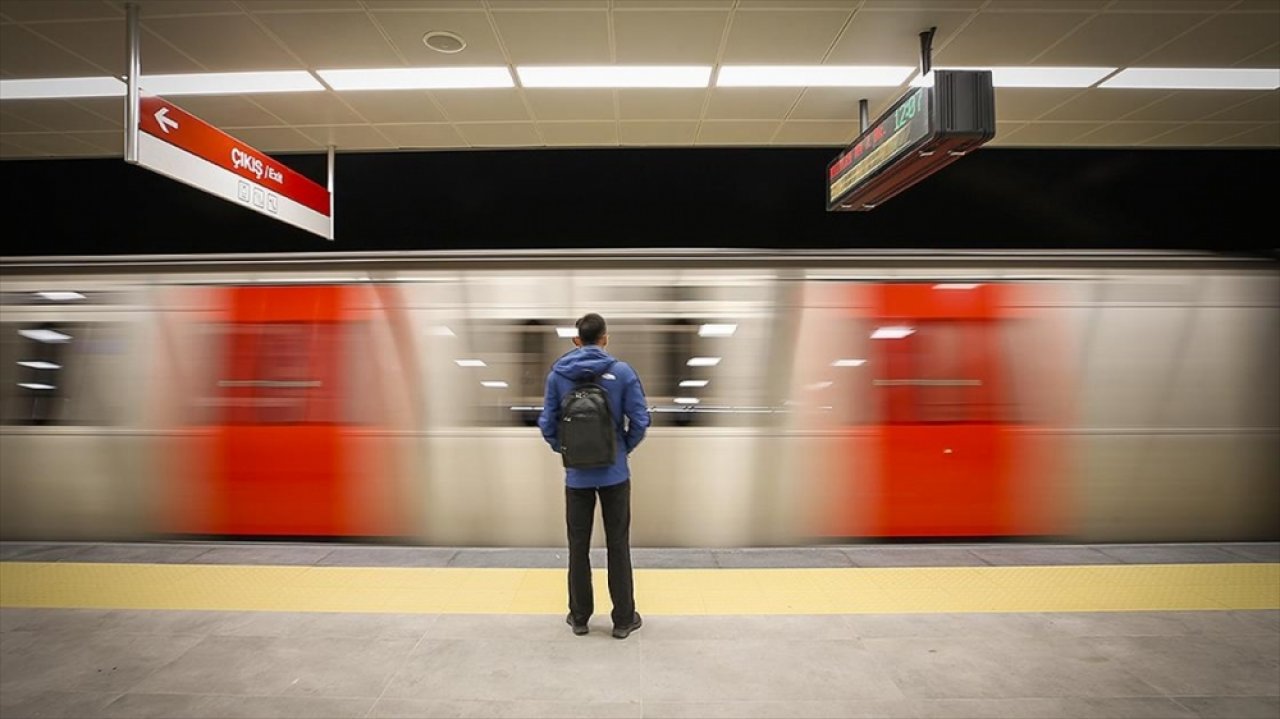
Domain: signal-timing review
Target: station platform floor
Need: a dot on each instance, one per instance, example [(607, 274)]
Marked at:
[(324, 630)]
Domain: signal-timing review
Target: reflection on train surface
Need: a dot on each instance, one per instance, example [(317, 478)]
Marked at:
[(795, 398)]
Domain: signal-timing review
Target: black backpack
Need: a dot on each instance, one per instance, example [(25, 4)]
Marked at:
[(588, 435)]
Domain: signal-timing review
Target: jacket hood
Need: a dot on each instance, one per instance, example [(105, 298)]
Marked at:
[(583, 363)]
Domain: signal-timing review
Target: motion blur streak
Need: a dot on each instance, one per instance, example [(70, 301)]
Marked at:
[(1087, 396)]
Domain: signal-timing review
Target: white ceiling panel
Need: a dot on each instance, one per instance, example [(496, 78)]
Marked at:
[(1003, 131), (1265, 135), (579, 134), (108, 143), (434, 135), (180, 36), (37, 10), (302, 5), (668, 38), (570, 104), (1264, 108), (419, 4), (669, 134), (60, 145), (10, 123), (379, 106), (1040, 134), (481, 105), (1191, 105), (891, 37), (9, 149), (309, 108), (1117, 39), (841, 103), (1029, 103), (24, 54), (555, 38), (1223, 41), (660, 104), (406, 30), (736, 132), (277, 139), (799, 37), (354, 137), (172, 8), (228, 111), (1101, 105), (751, 103), (1008, 38), (1171, 5), (500, 134), (224, 43), (63, 115), (1124, 134), (102, 44), (1199, 134), (332, 39), (825, 134)]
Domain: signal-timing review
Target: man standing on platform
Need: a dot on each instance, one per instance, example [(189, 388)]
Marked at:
[(593, 415)]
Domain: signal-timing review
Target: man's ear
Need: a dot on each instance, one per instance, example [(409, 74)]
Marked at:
[(577, 341)]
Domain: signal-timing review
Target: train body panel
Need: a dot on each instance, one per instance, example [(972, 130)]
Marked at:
[(1093, 397)]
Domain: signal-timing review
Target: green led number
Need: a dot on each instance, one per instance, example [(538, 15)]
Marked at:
[(906, 111)]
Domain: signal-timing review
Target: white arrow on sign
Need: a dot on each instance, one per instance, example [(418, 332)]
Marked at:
[(165, 121)]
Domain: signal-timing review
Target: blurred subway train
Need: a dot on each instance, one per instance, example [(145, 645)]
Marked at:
[(796, 397)]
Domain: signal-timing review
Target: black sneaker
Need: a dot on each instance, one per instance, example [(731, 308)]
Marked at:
[(624, 632), (578, 629)]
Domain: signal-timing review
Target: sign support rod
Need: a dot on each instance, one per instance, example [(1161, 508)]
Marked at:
[(926, 51), (332, 226), (864, 116), (133, 68)]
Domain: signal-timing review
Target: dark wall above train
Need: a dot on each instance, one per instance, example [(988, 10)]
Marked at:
[(744, 198)]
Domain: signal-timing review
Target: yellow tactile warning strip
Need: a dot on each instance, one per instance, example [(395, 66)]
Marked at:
[(658, 591)]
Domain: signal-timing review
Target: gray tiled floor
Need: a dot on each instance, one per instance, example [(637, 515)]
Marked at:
[(864, 555), (78, 663)]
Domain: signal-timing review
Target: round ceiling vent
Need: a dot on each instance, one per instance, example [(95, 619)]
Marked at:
[(445, 42)]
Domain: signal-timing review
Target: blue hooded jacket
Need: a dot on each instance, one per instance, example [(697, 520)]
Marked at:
[(626, 402)]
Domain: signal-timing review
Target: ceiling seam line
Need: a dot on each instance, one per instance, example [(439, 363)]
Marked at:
[(786, 116), (715, 70), (515, 77)]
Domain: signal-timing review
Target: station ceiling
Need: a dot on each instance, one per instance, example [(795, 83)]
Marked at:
[(86, 38)]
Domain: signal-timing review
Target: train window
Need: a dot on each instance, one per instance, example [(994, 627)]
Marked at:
[(280, 373), (54, 372), (943, 371)]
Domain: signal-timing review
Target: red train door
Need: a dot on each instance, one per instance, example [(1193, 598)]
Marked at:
[(277, 446), (944, 438)]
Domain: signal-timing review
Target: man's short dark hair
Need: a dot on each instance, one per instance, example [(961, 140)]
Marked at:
[(591, 328)]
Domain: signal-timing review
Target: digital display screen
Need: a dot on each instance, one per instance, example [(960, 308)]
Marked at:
[(904, 125)]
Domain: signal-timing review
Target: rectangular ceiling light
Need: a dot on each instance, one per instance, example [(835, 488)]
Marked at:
[(494, 384), (231, 83), (812, 75), (1031, 76), (892, 333), (60, 296), (470, 363), (848, 363), (614, 75), (51, 336), (1195, 78), (717, 330), (703, 362), (40, 364), (418, 78), (694, 382), (55, 87), (565, 333)]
